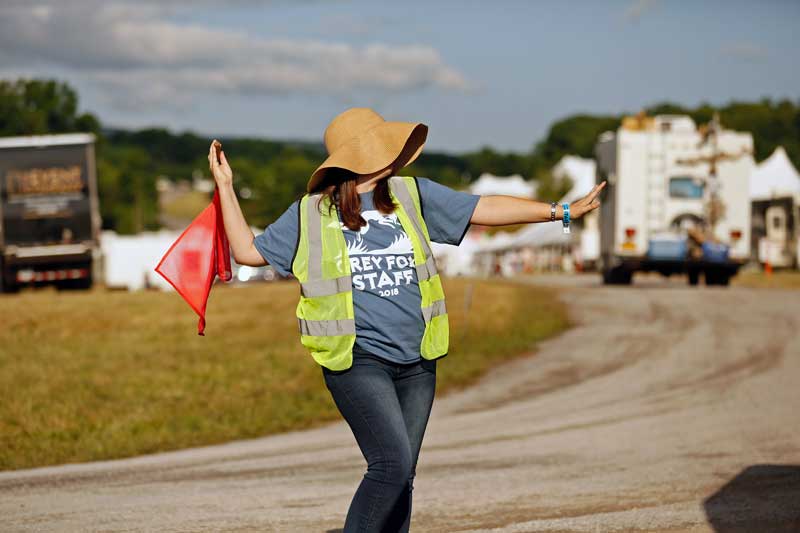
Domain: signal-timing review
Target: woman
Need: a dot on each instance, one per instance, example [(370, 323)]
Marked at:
[(377, 321)]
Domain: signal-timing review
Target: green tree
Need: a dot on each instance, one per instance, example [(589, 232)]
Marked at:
[(127, 190), (576, 135), (36, 107)]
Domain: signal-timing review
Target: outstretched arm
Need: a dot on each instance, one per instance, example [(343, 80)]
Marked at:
[(240, 236), (499, 210)]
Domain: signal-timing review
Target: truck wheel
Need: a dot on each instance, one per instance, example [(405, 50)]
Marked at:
[(717, 277), (5, 285), (85, 284), (74, 284), (617, 276), (9, 288)]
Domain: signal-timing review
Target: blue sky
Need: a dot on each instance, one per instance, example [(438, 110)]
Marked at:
[(478, 73)]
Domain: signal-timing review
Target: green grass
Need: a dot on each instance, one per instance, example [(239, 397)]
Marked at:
[(100, 375)]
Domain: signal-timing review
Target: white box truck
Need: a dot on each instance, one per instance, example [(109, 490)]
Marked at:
[(677, 199)]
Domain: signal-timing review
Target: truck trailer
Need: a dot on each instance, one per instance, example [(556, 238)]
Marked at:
[(677, 199), (49, 211)]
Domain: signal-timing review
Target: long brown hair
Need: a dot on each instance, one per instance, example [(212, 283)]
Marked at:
[(339, 185)]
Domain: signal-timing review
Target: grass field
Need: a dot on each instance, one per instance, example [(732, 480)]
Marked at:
[(760, 280), (100, 375), (188, 205)]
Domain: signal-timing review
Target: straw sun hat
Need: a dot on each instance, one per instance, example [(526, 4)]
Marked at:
[(360, 140)]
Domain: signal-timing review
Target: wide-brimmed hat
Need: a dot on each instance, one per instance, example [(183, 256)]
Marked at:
[(360, 140)]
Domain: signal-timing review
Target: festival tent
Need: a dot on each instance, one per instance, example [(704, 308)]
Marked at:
[(509, 185), (542, 234), (582, 174), (459, 260), (774, 177), (498, 242), (580, 171), (456, 260), (128, 259), (774, 197)]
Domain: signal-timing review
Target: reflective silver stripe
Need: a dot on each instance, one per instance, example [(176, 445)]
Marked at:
[(435, 309), (326, 287), (400, 189), (326, 328), (314, 238), (427, 270)]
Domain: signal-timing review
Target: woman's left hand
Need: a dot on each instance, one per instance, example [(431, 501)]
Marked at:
[(588, 203)]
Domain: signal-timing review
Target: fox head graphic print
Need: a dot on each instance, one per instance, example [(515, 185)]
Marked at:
[(381, 254)]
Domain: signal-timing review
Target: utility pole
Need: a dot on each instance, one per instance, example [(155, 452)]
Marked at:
[(715, 209)]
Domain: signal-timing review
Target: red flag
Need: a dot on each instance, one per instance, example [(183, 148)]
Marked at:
[(200, 253)]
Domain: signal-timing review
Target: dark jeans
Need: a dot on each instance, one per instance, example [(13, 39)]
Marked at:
[(387, 406)]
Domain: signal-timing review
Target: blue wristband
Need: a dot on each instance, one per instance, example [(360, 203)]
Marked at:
[(565, 217)]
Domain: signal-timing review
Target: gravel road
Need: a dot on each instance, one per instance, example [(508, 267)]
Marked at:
[(665, 408)]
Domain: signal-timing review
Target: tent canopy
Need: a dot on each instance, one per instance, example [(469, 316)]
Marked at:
[(582, 174), (514, 185), (775, 176)]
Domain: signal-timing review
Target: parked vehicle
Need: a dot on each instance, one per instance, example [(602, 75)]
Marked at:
[(250, 274), (49, 211), (677, 199)]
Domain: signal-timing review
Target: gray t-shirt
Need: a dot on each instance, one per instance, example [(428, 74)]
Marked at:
[(386, 297)]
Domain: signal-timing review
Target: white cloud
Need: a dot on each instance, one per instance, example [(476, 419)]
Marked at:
[(745, 51), (145, 58), (638, 8)]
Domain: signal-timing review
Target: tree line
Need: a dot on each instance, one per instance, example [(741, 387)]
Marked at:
[(274, 173)]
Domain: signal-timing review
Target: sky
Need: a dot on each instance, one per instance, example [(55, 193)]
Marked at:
[(477, 73)]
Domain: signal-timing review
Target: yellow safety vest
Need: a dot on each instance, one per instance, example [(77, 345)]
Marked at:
[(321, 264)]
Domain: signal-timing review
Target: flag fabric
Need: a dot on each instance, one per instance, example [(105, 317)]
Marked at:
[(201, 253)]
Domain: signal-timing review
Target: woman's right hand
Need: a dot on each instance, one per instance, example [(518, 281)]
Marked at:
[(240, 236), (220, 168)]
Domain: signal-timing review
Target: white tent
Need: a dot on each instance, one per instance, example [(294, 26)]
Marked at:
[(542, 234), (498, 242), (582, 174), (510, 185), (129, 260), (456, 260), (580, 171), (774, 177)]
